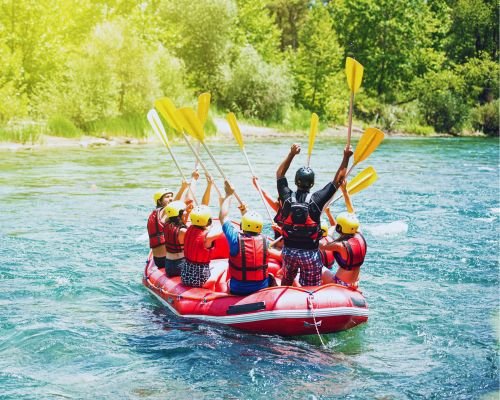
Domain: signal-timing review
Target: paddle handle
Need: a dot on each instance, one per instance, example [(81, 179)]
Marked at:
[(259, 189), (220, 171), (275, 241), (182, 174), (349, 127), (197, 156), (308, 160)]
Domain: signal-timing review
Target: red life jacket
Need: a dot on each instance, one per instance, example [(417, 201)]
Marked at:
[(155, 229), (299, 229), (356, 251), (194, 245), (327, 257), (172, 238), (250, 264)]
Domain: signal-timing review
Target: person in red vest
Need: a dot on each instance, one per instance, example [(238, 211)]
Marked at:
[(198, 241), (301, 219), (175, 230), (349, 249), (158, 217), (248, 249)]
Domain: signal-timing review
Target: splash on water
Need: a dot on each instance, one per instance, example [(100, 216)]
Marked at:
[(391, 229)]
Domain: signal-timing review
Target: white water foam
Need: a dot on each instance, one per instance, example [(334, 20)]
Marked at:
[(390, 229), (494, 210)]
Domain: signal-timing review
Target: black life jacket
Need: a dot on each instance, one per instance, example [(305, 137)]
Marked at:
[(300, 230)]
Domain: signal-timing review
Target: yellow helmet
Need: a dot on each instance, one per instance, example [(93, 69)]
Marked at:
[(347, 223), (174, 208), (201, 216), (324, 229), (251, 221), (160, 193)]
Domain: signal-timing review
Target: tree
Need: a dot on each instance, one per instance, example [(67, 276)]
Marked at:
[(318, 57), (289, 16)]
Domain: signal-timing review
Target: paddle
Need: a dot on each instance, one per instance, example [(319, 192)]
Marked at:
[(354, 73), (158, 128), (172, 116), (370, 140), (360, 182), (203, 107), (231, 118), (312, 136), (193, 126)]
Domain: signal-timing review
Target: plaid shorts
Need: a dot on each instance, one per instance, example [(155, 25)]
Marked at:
[(309, 263), (195, 275)]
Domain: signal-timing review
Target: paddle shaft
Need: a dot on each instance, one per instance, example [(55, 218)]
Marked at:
[(259, 189), (349, 127), (220, 170), (180, 172), (198, 159)]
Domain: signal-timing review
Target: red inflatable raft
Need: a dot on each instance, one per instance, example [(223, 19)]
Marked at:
[(281, 310)]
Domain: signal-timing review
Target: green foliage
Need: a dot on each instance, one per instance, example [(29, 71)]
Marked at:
[(316, 61), (129, 125), (486, 118), (255, 88), (22, 131), (289, 16), (201, 38), (62, 126)]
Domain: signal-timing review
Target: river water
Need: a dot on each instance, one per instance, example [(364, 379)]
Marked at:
[(76, 322)]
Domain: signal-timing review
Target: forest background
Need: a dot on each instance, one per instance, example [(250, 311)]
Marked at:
[(73, 67)]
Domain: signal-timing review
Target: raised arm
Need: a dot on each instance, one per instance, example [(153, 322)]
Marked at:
[(269, 200), (182, 189), (342, 171), (195, 175), (206, 196), (224, 202), (331, 220), (283, 167), (347, 198)]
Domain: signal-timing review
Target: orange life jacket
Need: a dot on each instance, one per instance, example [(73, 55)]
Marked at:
[(299, 229), (194, 245), (172, 238), (327, 256), (250, 264), (356, 251), (155, 229)]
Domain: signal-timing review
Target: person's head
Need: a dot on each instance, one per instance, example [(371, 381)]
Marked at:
[(162, 197), (304, 178), (175, 209), (347, 223), (252, 222), (201, 216)]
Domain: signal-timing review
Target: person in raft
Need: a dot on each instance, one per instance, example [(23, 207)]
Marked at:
[(198, 241), (175, 230), (349, 249), (301, 219), (276, 207), (248, 249)]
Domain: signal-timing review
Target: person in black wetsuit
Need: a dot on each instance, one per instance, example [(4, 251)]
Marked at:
[(301, 219)]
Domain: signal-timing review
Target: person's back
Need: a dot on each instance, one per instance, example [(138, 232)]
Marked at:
[(175, 231), (156, 224), (198, 241)]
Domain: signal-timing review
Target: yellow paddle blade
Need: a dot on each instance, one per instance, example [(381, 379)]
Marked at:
[(354, 73), (367, 144), (233, 124), (167, 109), (191, 123), (312, 132), (156, 124), (203, 106), (362, 180)]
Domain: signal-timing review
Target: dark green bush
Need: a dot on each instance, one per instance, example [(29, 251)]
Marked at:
[(486, 118)]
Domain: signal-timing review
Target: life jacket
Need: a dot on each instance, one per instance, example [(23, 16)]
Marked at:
[(155, 229), (194, 245), (299, 229), (250, 264), (172, 238), (327, 256), (356, 251)]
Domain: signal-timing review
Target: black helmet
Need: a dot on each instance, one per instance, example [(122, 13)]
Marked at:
[(304, 178)]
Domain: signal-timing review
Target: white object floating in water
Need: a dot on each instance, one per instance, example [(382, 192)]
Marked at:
[(389, 229), (142, 238)]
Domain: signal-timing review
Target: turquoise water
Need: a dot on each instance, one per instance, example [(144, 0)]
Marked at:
[(75, 321)]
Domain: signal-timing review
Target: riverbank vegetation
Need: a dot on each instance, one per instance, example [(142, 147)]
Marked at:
[(94, 67)]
